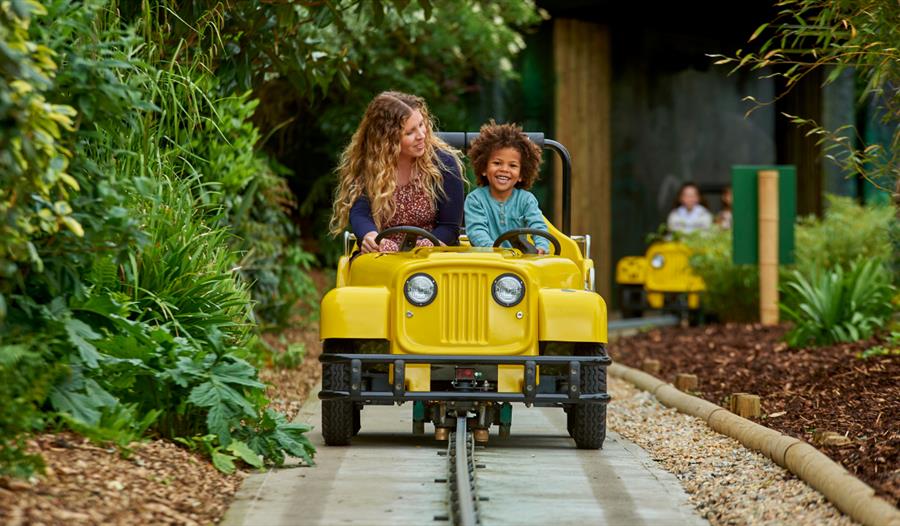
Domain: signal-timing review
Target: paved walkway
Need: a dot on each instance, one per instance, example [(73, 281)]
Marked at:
[(535, 477)]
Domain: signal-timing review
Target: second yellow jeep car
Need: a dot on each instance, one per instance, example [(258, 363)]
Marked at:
[(660, 279), (465, 331)]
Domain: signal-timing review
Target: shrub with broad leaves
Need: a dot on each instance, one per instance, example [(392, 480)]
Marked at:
[(838, 305)]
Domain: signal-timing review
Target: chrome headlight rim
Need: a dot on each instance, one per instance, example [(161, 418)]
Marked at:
[(495, 284), (406, 287), (657, 261)]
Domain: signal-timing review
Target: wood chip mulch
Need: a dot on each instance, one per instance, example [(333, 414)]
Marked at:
[(288, 389), (805, 392), (160, 483)]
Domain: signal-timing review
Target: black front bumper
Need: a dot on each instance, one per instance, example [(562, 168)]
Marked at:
[(529, 394)]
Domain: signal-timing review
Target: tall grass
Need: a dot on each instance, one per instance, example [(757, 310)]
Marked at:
[(144, 323), (186, 275)]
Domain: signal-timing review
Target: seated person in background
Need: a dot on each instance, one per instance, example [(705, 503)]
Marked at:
[(689, 213), (723, 218), (506, 164)]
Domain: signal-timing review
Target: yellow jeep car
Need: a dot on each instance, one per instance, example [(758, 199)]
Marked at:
[(466, 331), (660, 279)]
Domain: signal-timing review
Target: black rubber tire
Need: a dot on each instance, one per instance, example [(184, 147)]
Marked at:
[(337, 415), (589, 420), (570, 419), (695, 318), (630, 310)]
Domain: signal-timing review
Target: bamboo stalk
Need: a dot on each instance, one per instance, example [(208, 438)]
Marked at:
[(768, 246)]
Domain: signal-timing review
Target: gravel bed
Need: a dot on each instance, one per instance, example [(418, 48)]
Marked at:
[(727, 483), (806, 393)]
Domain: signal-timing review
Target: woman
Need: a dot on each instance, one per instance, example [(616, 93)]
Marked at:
[(395, 171)]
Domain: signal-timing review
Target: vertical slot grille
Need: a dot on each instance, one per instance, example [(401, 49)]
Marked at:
[(463, 298)]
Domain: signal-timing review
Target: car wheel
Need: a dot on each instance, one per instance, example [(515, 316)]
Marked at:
[(588, 421), (631, 300), (570, 418), (338, 422), (695, 317)]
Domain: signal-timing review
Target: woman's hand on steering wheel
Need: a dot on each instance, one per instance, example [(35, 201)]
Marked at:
[(410, 235), (368, 243)]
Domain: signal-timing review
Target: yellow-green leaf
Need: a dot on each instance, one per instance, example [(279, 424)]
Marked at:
[(69, 180), (759, 30), (73, 225)]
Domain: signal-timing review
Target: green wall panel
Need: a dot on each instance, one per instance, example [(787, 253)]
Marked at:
[(745, 210)]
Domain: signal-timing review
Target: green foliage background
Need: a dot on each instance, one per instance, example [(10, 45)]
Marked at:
[(837, 36), (846, 263), (845, 274), (827, 252), (148, 236)]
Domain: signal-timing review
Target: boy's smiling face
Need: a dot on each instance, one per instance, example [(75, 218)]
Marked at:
[(503, 172)]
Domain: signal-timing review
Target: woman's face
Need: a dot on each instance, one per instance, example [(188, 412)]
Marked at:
[(503, 171), (412, 136), (689, 197)]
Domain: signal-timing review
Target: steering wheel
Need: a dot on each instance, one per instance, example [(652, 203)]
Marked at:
[(410, 235), (517, 239)]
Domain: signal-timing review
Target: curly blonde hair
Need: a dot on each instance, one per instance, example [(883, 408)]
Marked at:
[(368, 165), (493, 137)]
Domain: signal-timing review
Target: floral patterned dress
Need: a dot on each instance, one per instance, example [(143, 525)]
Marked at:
[(413, 208)]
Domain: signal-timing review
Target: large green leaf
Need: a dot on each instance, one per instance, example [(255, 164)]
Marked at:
[(236, 372), (81, 398), (246, 454), (223, 462), (79, 333)]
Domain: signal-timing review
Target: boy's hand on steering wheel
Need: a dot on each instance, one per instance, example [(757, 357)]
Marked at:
[(368, 243)]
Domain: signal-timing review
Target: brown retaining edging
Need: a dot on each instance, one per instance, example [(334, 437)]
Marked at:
[(849, 494)]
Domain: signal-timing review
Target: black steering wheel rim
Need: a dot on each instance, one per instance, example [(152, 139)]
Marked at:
[(410, 235), (512, 237)]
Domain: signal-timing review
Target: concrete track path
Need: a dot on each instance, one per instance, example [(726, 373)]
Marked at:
[(534, 477)]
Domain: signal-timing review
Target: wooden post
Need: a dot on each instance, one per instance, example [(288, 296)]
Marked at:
[(686, 382), (768, 247), (582, 63), (745, 405), (652, 366)]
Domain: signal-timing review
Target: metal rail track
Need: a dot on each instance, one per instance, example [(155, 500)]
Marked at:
[(463, 498)]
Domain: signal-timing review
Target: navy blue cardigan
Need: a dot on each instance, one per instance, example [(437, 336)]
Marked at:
[(449, 206)]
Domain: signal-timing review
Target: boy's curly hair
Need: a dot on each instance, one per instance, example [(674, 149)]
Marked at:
[(493, 137)]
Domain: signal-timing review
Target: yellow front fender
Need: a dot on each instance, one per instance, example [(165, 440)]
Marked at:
[(568, 315), (631, 270), (355, 312)]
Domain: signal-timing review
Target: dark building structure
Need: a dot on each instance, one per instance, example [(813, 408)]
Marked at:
[(630, 88)]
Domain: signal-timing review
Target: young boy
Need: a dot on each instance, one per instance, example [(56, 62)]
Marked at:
[(506, 165)]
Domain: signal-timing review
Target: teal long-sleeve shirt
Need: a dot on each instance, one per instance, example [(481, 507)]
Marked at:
[(487, 218)]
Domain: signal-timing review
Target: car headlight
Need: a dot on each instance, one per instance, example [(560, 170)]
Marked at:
[(657, 261), (420, 289), (508, 290)]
